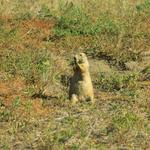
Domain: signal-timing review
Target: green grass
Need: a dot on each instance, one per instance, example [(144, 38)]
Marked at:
[(75, 21), (125, 83), (32, 65)]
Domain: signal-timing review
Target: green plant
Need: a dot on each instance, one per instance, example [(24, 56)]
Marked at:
[(125, 120), (5, 146), (44, 12), (5, 114), (28, 105), (143, 6), (23, 16), (16, 102), (117, 81), (31, 65), (30, 90), (7, 35), (75, 21)]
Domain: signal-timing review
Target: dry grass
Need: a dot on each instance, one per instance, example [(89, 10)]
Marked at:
[(37, 41)]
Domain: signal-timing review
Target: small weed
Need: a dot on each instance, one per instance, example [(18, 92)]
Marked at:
[(7, 35), (5, 147), (117, 81), (16, 102), (125, 120), (130, 92), (144, 6), (5, 114), (44, 12), (145, 73), (30, 90), (75, 147), (65, 135), (17, 125), (28, 105), (23, 16)]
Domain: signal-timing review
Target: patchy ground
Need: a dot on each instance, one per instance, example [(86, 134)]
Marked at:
[(36, 50)]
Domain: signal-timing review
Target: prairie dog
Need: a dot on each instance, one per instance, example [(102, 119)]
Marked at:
[(81, 88)]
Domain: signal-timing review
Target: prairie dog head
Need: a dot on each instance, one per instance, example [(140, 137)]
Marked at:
[(81, 62)]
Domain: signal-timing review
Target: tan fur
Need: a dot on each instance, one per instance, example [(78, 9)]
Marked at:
[(81, 88)]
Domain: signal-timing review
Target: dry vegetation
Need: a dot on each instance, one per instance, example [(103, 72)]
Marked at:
[(37, 41)]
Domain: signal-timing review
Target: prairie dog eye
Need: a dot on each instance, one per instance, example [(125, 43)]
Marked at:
[(82, 54)]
